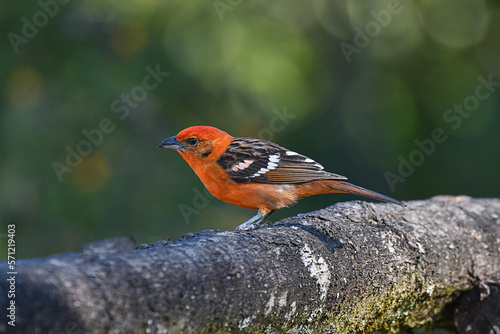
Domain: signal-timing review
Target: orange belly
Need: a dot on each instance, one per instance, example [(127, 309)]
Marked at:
[(256, 195)]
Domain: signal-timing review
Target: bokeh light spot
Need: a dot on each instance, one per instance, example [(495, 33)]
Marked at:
[(488, 52), (92, 173), (129, 38), (455, 23), (23, 86)]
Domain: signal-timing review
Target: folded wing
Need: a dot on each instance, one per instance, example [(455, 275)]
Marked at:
[(254, 160)]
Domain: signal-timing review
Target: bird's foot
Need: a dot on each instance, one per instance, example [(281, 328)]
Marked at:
[(252, 226), (257, 221)]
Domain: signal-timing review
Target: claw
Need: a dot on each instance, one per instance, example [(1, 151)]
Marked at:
[(255, 222)]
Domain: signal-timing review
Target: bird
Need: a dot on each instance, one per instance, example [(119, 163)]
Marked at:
[(255, 173)]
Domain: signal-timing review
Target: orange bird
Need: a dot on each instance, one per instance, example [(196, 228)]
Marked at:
[(255, 173)]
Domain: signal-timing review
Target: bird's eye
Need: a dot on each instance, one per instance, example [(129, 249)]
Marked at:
[(192, 141)]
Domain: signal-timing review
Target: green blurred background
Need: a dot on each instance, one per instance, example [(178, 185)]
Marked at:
[(352, 85)]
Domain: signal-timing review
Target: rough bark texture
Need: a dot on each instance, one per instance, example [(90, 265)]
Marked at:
[(353, 267)]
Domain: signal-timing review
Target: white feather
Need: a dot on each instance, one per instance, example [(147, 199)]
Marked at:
[(274, 158), (271, 165)]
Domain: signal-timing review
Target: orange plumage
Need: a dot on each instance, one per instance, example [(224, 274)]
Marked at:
[(256, 174)]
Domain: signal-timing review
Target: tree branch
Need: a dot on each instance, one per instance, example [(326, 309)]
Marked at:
[(353, 267)]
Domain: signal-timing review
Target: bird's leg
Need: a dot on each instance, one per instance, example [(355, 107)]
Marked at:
[(256, 221), (251, 223)]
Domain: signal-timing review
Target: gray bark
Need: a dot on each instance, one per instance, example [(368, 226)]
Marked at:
[(355, 267)]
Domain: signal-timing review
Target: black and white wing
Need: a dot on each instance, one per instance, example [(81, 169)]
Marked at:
[(254, 160)]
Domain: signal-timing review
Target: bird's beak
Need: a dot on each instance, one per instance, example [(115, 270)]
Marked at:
[(171, 143)]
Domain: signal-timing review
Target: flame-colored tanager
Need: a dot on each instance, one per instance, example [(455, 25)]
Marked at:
[(255, 173)]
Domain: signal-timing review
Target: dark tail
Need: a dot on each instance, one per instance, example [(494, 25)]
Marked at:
[(357, 190)]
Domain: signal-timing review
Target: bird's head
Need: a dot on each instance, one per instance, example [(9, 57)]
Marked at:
[(199, 142)]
